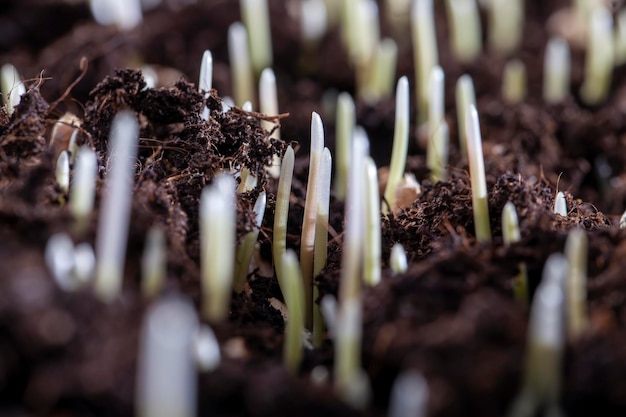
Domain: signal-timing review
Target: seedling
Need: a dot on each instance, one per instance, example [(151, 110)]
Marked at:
[(466, 30), (115, 207), (576, 286), (511, 234), (556, 71), (207, 349), (63, 172), (397, 259), (560, 205), (153, 263), (122, 13), (409, 395), (425, 55), (217, 246), (150, 76), (166, 375), (246, 247), (400, 145), (599, 59), (398, 14), (314, 16), (294, 298), (381, 72), (373, 234), (255, 15), (60, 260), (438, 137), (346, 120), (514, 82), (477, 174), (506, 25), (206, 79), (281, 213), (465, 97), (328, 307), (241, 69), (12, 87), (268, 100)]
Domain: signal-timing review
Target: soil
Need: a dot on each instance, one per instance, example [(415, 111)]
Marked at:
[(452, 315)]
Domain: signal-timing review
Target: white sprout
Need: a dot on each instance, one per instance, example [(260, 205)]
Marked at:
[(576, 288), (240, 66), (556, 71), (153, 262), (11, 86), (409, 395), (397, 259), (465, 27), (313, 20), (124, 14), (465, 97), (60, 260), (506, 24), (560, 204), (268, 101), (207, 349), (246, 247), (256, 16), (437, 149), (83, 190), (477, 174), (514, 82), (345, 123)]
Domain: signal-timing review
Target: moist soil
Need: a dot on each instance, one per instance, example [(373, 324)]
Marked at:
[(452, 315)]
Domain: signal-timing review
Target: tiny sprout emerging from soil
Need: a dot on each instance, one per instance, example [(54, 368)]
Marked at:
[(373, 232), (511, 234), (115, 206), (346, 121), (313, 20), (207, 349), (514, 82), (241, 69), (556, 71), (397, 259), (11, 86), (150, 76), (599, 58), (70, 267), (438, 138), (466, 30), (166, 375), (400, 145), (398, 14), (217, 246), (382, 72), (560, 205), (328, 307), (477, 174), (294, 298), (542, 374), (425, 56), (153, 263), (206, 79), (281, 213), (409, 395), (506, 24), (246, 247), (576, 287), (83, 190), (268, 104), (256, 16), (63, 172), (465, 97), (122, 13), (63, 135)]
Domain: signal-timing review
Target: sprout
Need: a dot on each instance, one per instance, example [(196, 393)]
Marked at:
[(465, 27), (247, 106), (506, 24), (207, 349), (364, 49), (241, 70), (206, 79), (576, 289), (373, 234), (281, 213), (11, 86), (620, 38), (556, 70), (409, 395), (514, 82), (400, 145), (150, 76), (83, 189), (60, 260), (256, 16), (477, 174), (246, 247), (465, 97), (123, 13), (438, 138), (398, 14), (307, 245), (268, 99), (560, 205), (247, 181), (63, 172), (511, 234), (328, 307), (313, 20), (217, 246), (166, 375), (542, 373), (294, 298), (382, 72), (153, 263), (397, 259), (425, 55), (84, 263), (346, 120), (115, 206), (599, 59)]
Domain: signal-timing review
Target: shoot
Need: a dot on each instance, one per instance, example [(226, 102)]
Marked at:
[(437, 149), (84, 263), (11, 86), (207, 349), (83, 190), (217, 246), (556, 71), (268, 101), (560, 205), (60, 260), (477, 174), (153, 263), (465, 27), (313, 20), (382, 72), (599, 58), (397, 259), (122, 13), (246, 247), (281, 213), (400, 145), (63, 172), (150, 76), (511, 234), (465, 97), (576, 287), (256, 17), (373, 234), (409, 395), (294, 298), (346, 120), (506, 24), (166, 375), (206, 79), (425, 52), (514, 82), (240, 67), (398, 14), (115, 207), (329, 311)]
